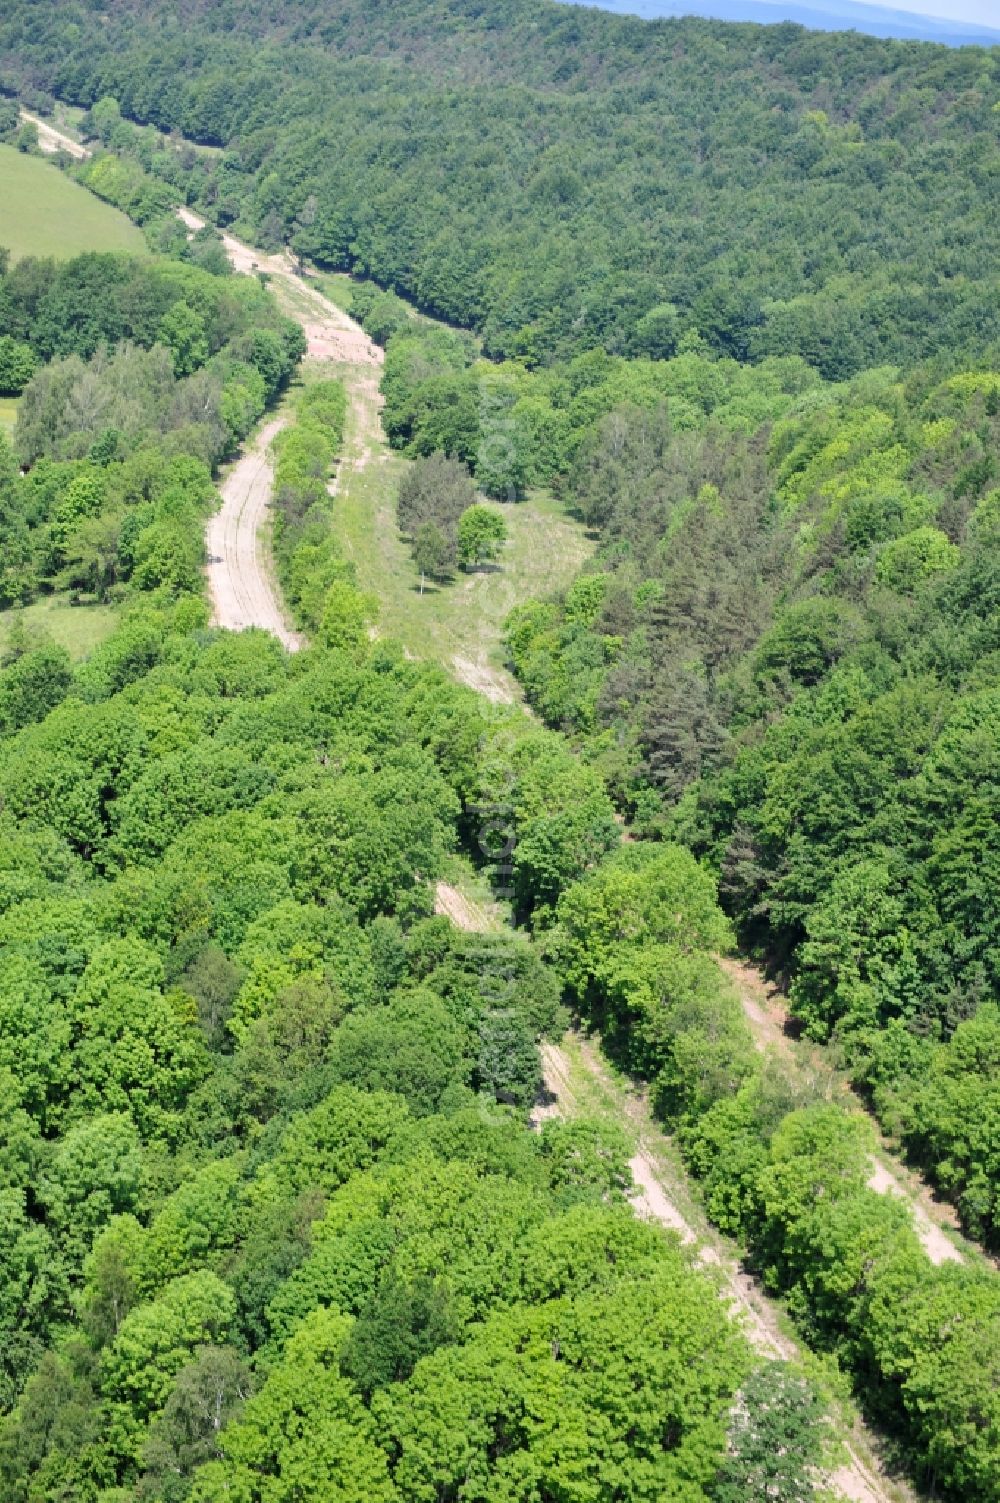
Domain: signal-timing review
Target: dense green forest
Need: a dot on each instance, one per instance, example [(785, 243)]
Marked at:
[(565, 179), (265, 1170), (276, 1226), (788, 658)]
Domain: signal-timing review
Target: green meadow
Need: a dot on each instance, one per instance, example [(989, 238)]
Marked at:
[(45, 213)]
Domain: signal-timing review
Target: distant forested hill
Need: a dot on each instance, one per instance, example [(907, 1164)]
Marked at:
[(564, 179), (820, 15)]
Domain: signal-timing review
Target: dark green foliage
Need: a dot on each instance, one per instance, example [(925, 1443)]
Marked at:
[(398, 1325), (784, 192), (434, 494), (132, 372), (788, 660)]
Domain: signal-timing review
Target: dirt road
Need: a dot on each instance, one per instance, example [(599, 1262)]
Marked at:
[(52, 140), (578, 1080), (239, 582), (239, 577)]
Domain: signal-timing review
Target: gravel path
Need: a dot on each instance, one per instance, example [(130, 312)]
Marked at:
[(239, 581)]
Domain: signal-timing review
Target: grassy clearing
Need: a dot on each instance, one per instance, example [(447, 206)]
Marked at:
[(78, 628), (8, 414), (44, 213), (463, 619), (337, 286)]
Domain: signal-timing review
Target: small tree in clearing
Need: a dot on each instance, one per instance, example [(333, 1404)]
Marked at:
[(433, 553), (482, 532)]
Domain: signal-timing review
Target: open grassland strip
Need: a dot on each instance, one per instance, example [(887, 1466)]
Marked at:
[(46, 214), (459, 624)]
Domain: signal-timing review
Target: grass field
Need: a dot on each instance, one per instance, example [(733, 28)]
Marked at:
[(78, 628), (44, 213), (8, 415), (459, 624)]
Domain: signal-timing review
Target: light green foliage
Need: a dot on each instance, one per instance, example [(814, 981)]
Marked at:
[(528, 1377), (348, 618), (907, 561), (156, 1340), (183, 331), (271, 1455), (193, 1228), (309, 561), (17, 365), (323, 1148), (136, 1047), (95, 1174), (482, 533), (653, 895)]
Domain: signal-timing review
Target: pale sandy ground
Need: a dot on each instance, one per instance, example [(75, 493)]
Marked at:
[(242, 590), (239, 581), (52, 140)]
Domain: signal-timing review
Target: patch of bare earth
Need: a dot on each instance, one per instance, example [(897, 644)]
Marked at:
[(52, 140), (463, 912), (493, 684)]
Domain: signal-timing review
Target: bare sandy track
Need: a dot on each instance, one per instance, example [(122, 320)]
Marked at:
[(238, 578), (52, 140), (464, 912)]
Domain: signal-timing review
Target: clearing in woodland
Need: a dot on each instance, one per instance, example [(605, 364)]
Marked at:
[(44, 213), (459, 624)]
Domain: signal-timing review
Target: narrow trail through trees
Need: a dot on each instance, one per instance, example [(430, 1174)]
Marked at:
[(933, 1221)]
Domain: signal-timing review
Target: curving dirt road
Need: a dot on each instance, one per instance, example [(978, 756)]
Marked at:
[(238, 579)]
